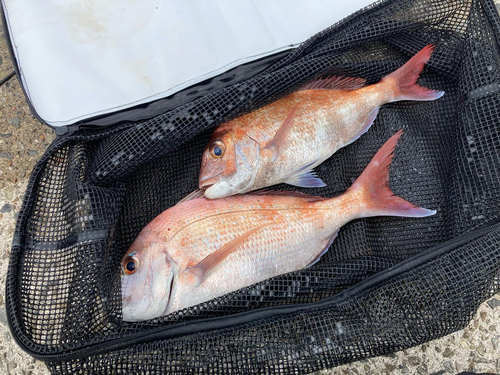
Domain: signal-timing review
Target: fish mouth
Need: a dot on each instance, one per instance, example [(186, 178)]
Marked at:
[(205, 184)]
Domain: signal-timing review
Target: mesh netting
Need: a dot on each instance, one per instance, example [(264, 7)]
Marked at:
[(378, 289)]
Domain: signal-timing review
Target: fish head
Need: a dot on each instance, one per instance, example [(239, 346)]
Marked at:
[(148, 276), (228, 164)]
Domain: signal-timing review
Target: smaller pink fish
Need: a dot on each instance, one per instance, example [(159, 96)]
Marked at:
[(285, 140), (201, 249)]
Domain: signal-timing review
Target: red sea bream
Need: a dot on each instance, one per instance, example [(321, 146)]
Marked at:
[(201, 249), (285, 140)]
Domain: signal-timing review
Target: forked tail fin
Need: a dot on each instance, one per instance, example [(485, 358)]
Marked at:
[(406, 76), (378, 198)]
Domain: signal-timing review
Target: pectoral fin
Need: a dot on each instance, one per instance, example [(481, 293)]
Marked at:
[(205, 267), (366, 126), (282, 134)]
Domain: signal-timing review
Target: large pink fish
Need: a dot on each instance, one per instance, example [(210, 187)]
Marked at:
[(201, 249), (285, 140)]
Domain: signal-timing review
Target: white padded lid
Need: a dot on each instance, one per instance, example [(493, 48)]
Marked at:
[(82, 58)]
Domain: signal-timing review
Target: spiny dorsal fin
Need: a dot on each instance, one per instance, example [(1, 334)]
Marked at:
[(287, 193), (281, 134), (205, 267), (336, 83), (194, 195)]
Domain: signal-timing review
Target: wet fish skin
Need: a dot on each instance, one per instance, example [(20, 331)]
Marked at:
[(285, 140), (201, 249)]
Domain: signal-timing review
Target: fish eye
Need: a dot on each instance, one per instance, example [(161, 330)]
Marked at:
[(217, 149), (130, 265)]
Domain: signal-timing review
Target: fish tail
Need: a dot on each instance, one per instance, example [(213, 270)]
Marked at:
[(406, 76), (372, 186)]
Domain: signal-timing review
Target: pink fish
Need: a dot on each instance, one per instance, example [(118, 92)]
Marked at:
[(201, 249), (285, 140)]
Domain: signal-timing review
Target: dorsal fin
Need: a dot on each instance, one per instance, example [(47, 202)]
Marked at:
[(287, 193), (194, 195), (336, 83)]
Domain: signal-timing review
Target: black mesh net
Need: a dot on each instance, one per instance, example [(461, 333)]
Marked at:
[(386, 283)]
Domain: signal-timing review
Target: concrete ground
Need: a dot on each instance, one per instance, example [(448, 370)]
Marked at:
[(23, 140)]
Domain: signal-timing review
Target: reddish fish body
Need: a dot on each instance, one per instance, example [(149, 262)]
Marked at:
[(201, 249), (285, 140)]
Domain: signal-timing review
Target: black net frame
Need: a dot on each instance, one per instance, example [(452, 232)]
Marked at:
[(386, 284)]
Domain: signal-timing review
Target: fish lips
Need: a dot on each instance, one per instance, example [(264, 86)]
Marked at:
[(215, 187)]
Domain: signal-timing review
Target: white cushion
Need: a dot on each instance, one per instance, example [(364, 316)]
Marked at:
[(82, 58)]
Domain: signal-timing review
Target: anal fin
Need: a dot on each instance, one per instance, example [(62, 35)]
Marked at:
[(304, 177), (305, 180), (325, 249)]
